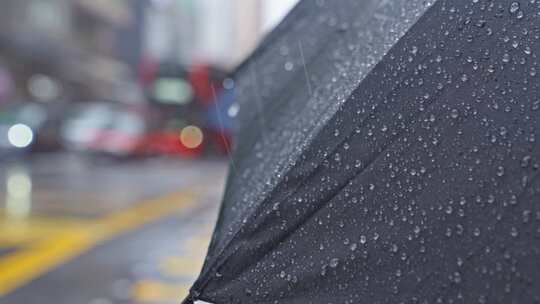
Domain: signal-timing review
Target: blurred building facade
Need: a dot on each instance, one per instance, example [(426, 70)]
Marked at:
[(64, 49), (93, 49), (216, 32)]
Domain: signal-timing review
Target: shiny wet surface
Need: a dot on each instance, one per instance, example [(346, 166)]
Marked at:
[(84, 230)]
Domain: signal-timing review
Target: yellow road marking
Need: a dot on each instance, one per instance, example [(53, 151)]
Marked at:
[(18, 232), (198, 245), (181, 266), (175, 268), (27, 264), (159, 292), (40, 257)]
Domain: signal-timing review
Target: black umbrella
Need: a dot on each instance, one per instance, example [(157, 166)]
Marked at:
[(386, 153)]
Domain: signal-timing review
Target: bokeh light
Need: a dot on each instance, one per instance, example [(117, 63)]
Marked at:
[(20, 135), (191, 137)]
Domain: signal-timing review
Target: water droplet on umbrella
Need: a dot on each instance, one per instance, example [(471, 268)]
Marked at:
[(514, 7), (500, 171), (288, 66), (514, 232), (363, 239)]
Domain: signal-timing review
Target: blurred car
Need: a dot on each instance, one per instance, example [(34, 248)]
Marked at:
[(175, 137), (115, 129), (105, 127), (191, 100), (26, 127)]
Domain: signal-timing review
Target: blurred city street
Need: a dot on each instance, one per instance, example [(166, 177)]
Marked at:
[(117, 121), (78, 229)]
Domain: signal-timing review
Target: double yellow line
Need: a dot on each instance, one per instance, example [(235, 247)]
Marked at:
[(43, 255)]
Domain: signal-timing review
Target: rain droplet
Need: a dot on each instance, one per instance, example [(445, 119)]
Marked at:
[(525, 161), (334, 262), (500, 171), (514, 7), (288, 66), (514, 232), (536, 105), (233, 110), (363, 239), (454, 113)]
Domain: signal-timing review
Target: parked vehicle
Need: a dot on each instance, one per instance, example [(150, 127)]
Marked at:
[(27, 126), (190, 100), (105, 127)]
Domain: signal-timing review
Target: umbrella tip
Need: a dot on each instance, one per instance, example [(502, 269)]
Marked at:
[(191, 298), (188, 300)]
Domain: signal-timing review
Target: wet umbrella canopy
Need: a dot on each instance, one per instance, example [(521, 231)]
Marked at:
[(387, 152)]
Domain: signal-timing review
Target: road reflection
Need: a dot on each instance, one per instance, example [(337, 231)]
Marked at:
[(18, 193), (69, 225)]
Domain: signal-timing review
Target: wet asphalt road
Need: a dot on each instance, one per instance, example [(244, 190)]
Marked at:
[(83, 230)]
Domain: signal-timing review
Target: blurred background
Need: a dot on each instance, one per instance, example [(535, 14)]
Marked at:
[(115, 130)]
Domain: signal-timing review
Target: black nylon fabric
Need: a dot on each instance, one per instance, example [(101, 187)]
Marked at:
[(412, 180)]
